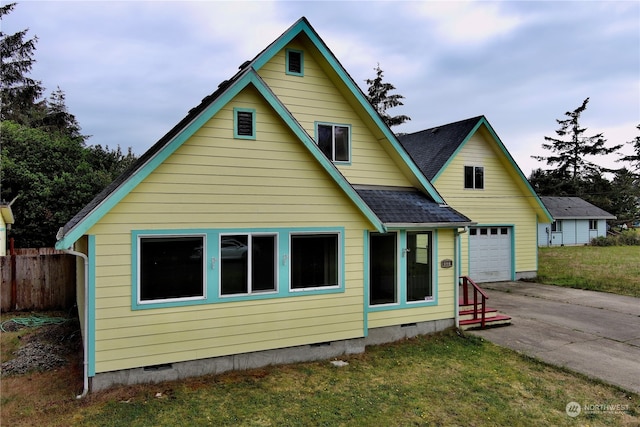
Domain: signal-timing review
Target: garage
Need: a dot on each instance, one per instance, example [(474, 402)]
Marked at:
[(490, 254)]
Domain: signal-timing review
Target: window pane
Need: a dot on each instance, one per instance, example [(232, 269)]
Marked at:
[(325, 140), (382, 269), (234, 264), (171, 267), (419, 286), (314, 260), (479, 183), (263, 260), (341, 134), (468, 177)]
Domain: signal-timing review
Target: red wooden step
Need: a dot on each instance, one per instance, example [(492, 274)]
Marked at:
[(497, 320)]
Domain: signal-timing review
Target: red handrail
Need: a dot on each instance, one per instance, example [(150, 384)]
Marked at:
[(476, 290)]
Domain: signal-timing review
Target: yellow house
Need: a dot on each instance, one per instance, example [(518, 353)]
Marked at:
[(471, 168), (279, 221)]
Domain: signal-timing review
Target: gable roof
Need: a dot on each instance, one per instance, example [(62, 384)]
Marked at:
[(433, 149), (574, 208), (209, 106)]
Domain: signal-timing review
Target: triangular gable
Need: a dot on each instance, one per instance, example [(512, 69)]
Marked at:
[(113, 194), (451, 139), (302, 26)]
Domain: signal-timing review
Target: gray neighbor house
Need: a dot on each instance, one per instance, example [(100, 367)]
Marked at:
[(575, 222)]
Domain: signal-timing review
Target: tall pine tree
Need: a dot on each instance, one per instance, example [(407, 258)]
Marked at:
[(379, 97)]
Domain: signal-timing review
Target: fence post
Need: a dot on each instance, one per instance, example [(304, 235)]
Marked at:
[(14, 285)]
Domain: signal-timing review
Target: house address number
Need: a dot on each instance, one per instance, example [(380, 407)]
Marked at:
[(446, 263)]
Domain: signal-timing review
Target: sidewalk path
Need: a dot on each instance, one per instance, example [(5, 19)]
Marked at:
[(594, 333)]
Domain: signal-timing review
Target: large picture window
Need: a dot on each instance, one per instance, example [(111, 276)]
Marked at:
[(247, 264), (314, 260), (171, 267), (334, 142)]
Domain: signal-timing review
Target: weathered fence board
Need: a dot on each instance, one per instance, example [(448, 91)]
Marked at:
[(45, 279)]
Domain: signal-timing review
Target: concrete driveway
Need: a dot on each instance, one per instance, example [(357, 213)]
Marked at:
[(594, 333)]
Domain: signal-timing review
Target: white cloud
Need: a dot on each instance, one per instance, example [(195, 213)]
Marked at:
[(465, 22)]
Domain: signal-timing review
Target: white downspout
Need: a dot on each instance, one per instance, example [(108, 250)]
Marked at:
[(85, 362), (456, 296)]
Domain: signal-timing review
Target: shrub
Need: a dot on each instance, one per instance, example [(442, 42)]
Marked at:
[(626, 238)]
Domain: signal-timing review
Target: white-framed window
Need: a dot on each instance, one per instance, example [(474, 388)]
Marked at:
[(474, 177), (334, 141), (171, 267), (593, 224), (248, 263), (295, 62), (315, 260), (244, 123), (556, 226)]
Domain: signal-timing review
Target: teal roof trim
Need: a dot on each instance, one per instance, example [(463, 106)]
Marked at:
[(516, 168), (303, 26), (250, 77)]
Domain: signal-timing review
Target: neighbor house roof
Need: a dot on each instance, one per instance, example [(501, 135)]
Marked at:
[(573, 208), (408, 207), (210, 105)]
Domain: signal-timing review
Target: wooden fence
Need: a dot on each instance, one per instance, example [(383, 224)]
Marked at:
[(37, 279)]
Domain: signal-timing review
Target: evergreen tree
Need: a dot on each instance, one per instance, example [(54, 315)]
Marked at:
[(634, 159), (572, 146), (379, 97), (18, 92)]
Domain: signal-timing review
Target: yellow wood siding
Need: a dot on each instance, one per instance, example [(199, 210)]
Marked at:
[(215, 182), (445, 292), (502, 201), (316, 97)]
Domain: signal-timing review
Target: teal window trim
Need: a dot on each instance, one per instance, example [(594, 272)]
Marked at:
[(236, 123), (402, 303), (350, 141), (211, 254), (288, 70)]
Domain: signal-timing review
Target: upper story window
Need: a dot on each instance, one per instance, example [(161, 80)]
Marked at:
[(474, 177), (334, 141), (295, 62), (244, 123)]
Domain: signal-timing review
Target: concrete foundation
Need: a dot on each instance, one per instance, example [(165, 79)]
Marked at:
[(526, 275), (280, 356)]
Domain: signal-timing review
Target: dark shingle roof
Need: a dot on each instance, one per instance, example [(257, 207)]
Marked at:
[(431, 148), (408, 206), (573, 208)]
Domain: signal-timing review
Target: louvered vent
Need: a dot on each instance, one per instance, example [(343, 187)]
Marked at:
[(295, 62), (245, 123)]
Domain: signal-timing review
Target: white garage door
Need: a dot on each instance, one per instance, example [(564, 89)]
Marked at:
[(490, 254)]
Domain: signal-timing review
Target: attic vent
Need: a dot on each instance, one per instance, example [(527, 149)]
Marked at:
[(244, 65), (223, 83), (295, 62), (435, 130), (244, 123)]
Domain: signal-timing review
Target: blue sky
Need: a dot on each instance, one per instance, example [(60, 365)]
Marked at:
[(132, 70)]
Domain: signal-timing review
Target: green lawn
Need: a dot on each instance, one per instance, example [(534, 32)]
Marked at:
[(442, 379), (613, 269)]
